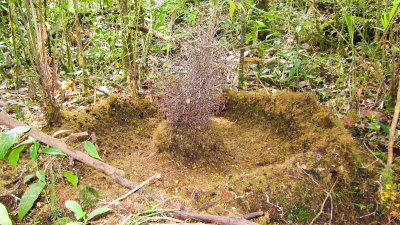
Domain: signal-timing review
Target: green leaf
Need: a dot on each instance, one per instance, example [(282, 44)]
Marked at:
[(27, 178), (4, 218), (384, 21), (394, 9), (75, 223), (291, 73), (298, 28), (60, 132), (30, 196), (13, 155), (10, 137), (257, 24), (33, 150), (91, 150), (249, 36), (240, 6), (72, 178), (384, 127), (350, 27), (27, 141), (52, 151), (75, 208), (232, 8), (41, 176), (297, 63), (97, 212)]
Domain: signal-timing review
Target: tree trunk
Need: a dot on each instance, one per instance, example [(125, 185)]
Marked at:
[(242, 77), (81, 52), (394, 123), (128, 58)]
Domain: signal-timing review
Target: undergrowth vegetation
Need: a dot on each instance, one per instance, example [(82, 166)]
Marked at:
[(289, 107)]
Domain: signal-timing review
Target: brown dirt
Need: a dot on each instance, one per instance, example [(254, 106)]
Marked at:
[(266, 138)]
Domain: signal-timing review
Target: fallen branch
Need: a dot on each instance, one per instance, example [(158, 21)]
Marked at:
[(74, 135), (158, 34), (157, 218), (111, 171), (229, 220), (155, 176), (178, 223)]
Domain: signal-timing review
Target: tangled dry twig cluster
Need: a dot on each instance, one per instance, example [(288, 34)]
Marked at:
[(194, 84)]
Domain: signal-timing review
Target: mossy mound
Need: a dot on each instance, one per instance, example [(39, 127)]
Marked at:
[(191, 146), (298, 124), (263, 151), (113, 112), (289, 151)]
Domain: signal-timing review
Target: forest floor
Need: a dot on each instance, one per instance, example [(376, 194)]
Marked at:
[(281, 153)]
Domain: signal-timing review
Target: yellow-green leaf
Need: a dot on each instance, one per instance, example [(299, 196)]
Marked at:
[(72, 178), (13, 155), (91, 150), (232, 8)]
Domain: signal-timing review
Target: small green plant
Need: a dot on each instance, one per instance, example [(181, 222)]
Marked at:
[(376, 125), (10, 150), (89, 195), (76, 208), (362, 206), (55, 214)]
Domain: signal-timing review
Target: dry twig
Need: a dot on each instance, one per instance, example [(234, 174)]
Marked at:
[(328, 195), (155, 176)]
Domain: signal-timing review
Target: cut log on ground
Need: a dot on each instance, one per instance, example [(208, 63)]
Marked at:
[(111, 171)]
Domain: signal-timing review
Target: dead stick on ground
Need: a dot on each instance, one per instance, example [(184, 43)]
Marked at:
[(157, 218), (238, 219), (74, 135), (111, 171), (328, 195), (179, 224), (155, 176)]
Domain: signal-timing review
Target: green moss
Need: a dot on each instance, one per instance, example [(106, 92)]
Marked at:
[(111, 113), (55, 214), (298, 214), (89, 195)]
